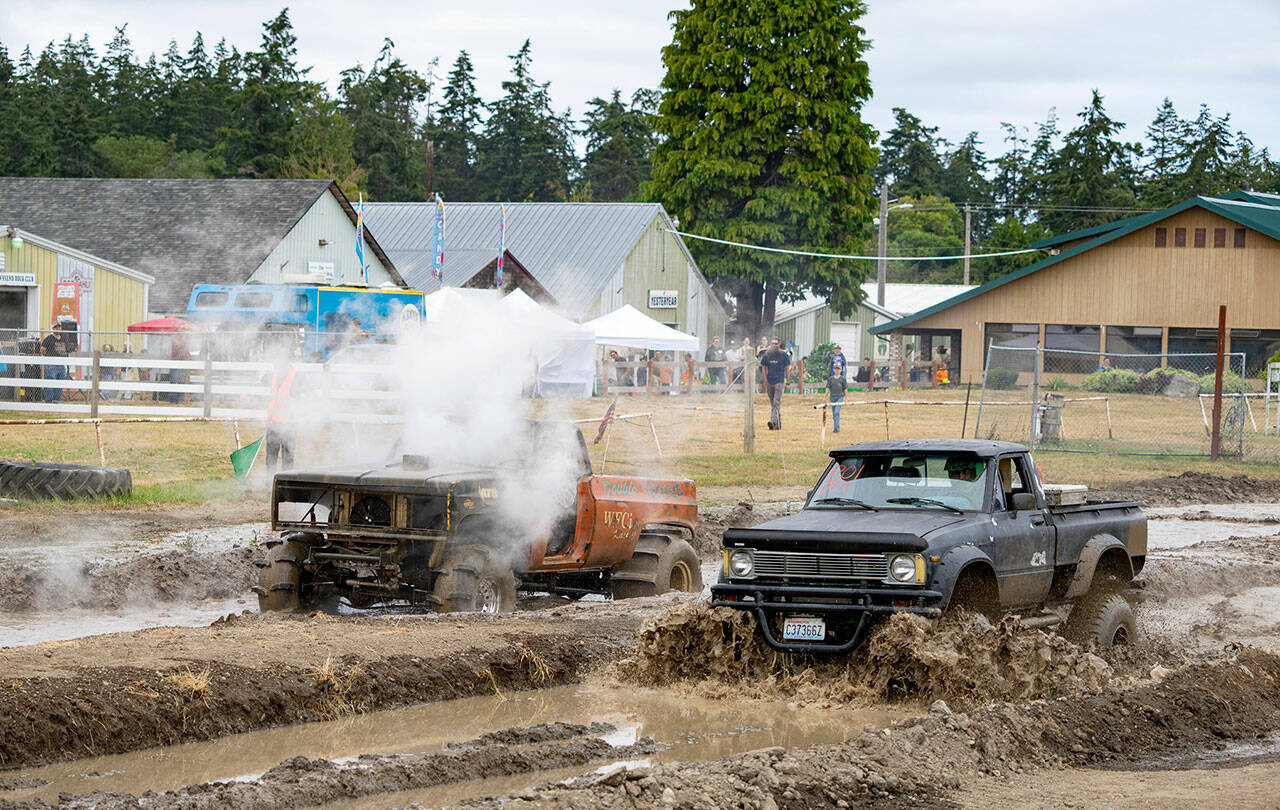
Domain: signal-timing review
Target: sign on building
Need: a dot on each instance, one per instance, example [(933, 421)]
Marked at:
[(322, 268), (664, 299)]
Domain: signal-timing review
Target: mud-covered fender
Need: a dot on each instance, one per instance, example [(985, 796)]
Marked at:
[(947, 571), (1093, 550)]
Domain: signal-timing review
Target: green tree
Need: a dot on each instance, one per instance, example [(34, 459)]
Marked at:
[(144, 156), (620, 143), (764, 144), (1011, 179), (321, 145), (932, 226), (382, 108), (909, 159), (456, 132), (1090, 171), (1010, 233), (1163, 158), (264, 107), (526, 153), (1206, 156)]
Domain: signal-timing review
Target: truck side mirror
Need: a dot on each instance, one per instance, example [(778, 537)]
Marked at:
[(1022, 501)]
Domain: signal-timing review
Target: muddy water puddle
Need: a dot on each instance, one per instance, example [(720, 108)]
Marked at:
[(22, 629), (1165, 534), (691, 728)]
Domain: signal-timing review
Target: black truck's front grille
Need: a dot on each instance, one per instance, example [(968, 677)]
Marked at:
[(813, 564)]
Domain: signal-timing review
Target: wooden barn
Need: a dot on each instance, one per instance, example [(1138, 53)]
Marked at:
[(1143, 285)]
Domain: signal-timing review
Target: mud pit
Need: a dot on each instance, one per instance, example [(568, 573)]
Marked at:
[(1014, 701)]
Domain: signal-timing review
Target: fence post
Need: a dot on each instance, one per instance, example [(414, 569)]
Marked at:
[(648, 381), (208, 379), (1035, 397), (1215, 438), (95, 375), (982, 397), (748, 408)]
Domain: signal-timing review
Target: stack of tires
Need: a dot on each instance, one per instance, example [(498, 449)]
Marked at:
[(41, 481)]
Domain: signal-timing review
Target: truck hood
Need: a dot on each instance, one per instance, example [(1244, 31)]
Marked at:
[(846, 530), (394, 476)]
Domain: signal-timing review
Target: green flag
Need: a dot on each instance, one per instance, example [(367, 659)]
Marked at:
[(242, 459)]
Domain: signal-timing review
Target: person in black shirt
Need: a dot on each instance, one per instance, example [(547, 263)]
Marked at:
[(775, 363), (54, 345), (715, 354)]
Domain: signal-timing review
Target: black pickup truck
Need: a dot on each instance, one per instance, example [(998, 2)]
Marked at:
[(925, 525)]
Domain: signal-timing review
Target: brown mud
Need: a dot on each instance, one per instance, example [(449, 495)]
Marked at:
[(1195, 487)]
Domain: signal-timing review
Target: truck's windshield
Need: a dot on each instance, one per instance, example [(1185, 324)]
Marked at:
[(929, 481)]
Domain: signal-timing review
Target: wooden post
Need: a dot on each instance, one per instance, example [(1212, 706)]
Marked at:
[(886, 420), (102, 456), (748, 407), (654, 431), (1216, 437), (1107, 402), (96, 375), (208, 379), (648, 381)]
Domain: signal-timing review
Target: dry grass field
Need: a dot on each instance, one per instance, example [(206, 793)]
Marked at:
[(701, 438)]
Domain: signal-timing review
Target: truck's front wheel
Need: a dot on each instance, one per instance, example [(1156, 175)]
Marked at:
[(473, 580), (1105, 619), (280, 575)]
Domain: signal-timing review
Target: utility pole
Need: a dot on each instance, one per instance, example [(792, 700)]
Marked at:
[(883, 246), (431, 177), (967, 212)]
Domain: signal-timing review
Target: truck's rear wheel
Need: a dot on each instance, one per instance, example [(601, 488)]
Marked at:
[(1105, 619), (473, 580), (280, 577), (660, 563)]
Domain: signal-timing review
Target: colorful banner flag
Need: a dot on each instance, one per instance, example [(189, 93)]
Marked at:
[(437, 254), (364, 273), (607, 420), (502, 242), (242, 459)]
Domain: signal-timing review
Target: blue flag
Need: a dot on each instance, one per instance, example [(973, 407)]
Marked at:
[(437, 253), (364, 274)]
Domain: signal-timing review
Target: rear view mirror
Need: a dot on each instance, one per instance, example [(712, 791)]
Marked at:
[(1022, 501)]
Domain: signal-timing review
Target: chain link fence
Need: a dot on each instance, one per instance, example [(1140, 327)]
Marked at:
[(1138, 404)]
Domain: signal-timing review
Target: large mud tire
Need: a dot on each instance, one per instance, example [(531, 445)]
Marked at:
[(41, 481), (660, 563), (474, 580), (1105, 620), (280, 574)]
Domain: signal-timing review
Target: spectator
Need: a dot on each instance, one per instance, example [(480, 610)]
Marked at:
[(665, 372), (1105, 365), (642, 371), (941, 371), (107, 373), (179, 350), (776, 364), (281, 432), (863, 375), (837, 373), (715, 354), (53, 345)]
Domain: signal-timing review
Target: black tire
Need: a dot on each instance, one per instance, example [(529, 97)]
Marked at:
[(41, 481), (473, 580), (977, 592), (1105, 620), (659, 564), (280, 576)]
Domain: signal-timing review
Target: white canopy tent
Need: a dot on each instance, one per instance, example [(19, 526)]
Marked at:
[(561, 352), (631, 328)]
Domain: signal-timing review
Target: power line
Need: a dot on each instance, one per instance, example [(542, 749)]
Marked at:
[(847, 256)]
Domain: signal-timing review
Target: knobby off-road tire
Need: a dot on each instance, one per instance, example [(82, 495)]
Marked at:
[(40, 481), (1105, 619), (660, 563), (474, 580), (280, 574)]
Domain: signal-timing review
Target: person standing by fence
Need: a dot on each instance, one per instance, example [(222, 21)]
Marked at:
[(776, 363), (53, 345), (715, 354), (836, 382), (281, 432)]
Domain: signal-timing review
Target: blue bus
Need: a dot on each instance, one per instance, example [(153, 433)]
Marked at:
[(326, 318)]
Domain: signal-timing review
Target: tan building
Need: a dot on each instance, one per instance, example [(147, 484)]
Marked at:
[(1148, 284)]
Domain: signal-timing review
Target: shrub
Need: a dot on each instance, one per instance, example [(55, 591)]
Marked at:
[(1153, 382), (816, 364), (1057, 384), (1001, 378), (1230, 383), (1111, 381)]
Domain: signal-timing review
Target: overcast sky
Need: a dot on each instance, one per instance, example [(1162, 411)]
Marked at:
[(959, 66)]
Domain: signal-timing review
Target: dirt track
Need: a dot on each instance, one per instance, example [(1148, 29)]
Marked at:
[(1015, 701)]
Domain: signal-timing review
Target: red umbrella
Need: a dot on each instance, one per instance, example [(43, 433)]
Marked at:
[(163, 325)]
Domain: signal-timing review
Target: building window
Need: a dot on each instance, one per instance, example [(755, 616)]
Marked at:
[(1239, 238), (1195, 350), (1134, 340), (1199, 237), (1162, 237), (1179, 237), (1219, 237), (1071, 349), (1258, 345), (1010, 335)]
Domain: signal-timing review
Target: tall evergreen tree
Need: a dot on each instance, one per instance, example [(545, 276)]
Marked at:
[(1010, 185), (764, 144), (1206, 156), (526, 153), (620, 143), (456, 133), (909, 159), (381, 106), (1090, 171), (1163, 158), (264, 107)]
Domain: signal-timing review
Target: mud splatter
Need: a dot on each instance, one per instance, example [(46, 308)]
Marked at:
[(963, 658)]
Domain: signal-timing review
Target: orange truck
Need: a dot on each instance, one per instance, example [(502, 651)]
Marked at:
[(449, 537)]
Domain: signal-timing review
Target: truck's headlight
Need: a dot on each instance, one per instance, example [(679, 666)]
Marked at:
[(902, 568), (741, 564)]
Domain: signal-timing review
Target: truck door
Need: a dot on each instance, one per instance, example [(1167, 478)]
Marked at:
[(1022, 541)]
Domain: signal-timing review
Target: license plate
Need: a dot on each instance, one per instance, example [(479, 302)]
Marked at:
[(804, 629)]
